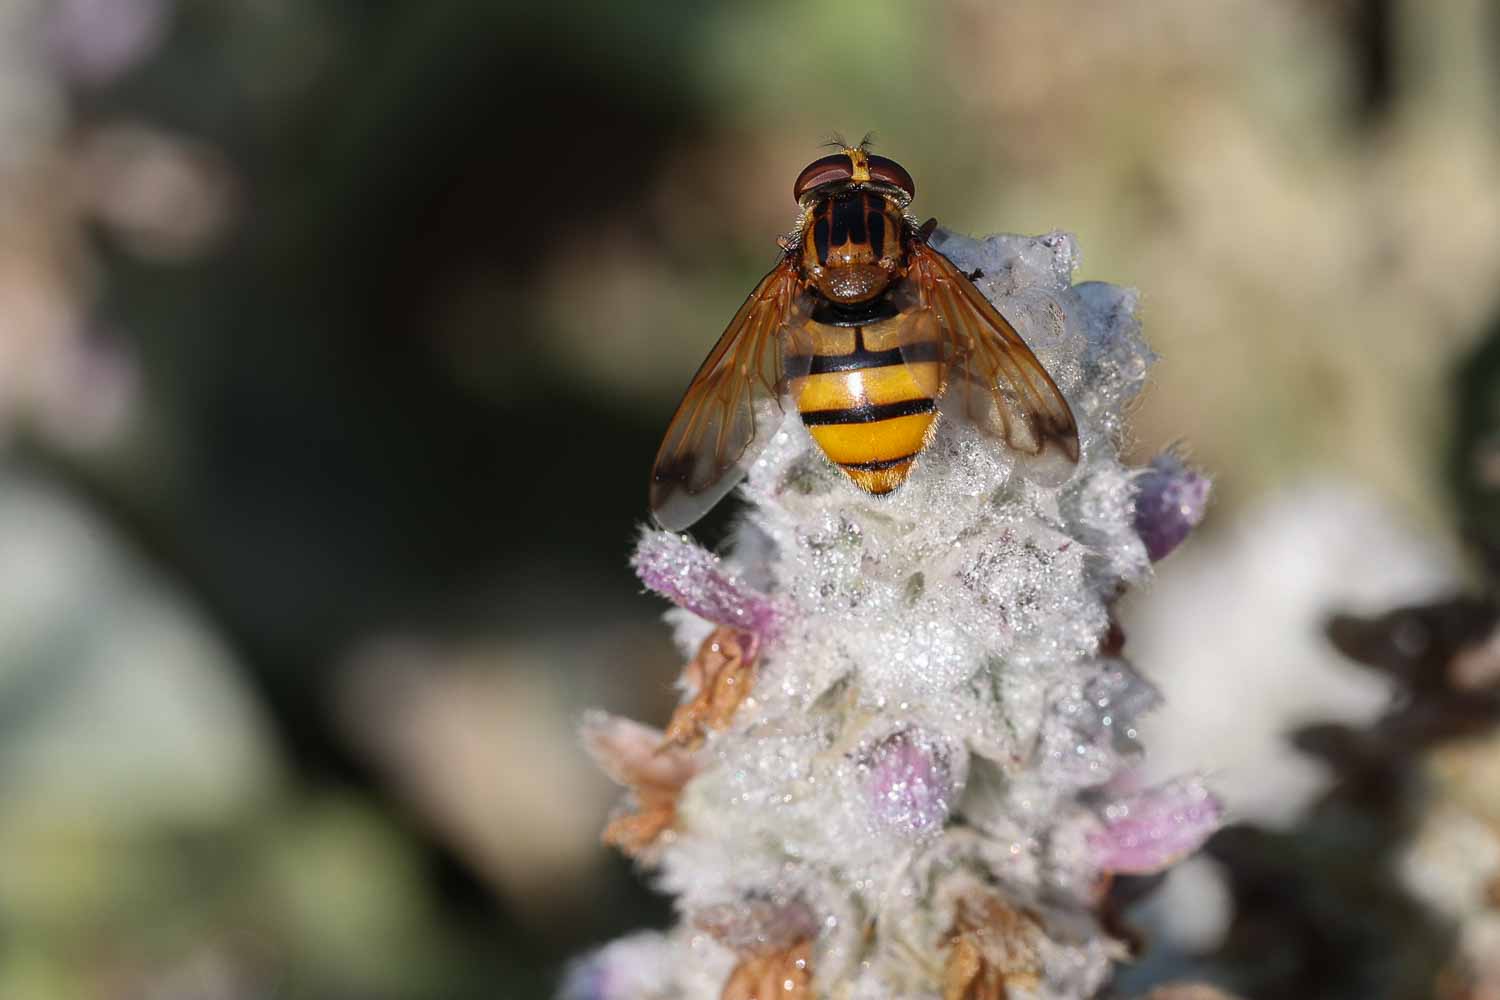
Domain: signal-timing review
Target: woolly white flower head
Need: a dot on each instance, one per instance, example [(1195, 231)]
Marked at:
[(914, 788)]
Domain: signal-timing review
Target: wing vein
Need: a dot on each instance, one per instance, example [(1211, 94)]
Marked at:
[(713, 436)]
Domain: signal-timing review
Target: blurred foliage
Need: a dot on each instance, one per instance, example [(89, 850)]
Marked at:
[(336, 337), (1474, 458)]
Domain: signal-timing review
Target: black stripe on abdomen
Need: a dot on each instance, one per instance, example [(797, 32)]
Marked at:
[(857, 361), (869, 413), (885, 463), (860, 358)]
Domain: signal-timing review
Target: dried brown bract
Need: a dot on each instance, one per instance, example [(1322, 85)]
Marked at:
[(720, 676), (636, 757), (634, 832), (655, 765), (778, 975), (993, 947)]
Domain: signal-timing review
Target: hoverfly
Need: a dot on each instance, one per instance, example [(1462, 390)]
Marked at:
[(864, 327)]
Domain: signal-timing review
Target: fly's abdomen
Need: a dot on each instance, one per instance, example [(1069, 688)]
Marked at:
[(868, 399)]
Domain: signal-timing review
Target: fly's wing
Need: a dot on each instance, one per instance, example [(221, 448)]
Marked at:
[(993, 378), (713, 436)]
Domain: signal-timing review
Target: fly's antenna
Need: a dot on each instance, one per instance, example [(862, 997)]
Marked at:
[(836, 141)]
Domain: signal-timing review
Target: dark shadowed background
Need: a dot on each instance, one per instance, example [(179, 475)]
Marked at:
[(336, 339)]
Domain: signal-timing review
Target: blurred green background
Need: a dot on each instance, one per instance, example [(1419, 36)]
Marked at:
[(336, 339)]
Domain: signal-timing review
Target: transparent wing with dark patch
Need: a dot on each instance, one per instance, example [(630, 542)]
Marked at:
[(994, 380), (713, 437)]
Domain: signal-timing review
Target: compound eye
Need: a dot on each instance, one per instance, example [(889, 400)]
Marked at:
[(888, 171), (824, 170)]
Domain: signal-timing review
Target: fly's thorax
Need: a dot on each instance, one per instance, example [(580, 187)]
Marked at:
[(852, 246)]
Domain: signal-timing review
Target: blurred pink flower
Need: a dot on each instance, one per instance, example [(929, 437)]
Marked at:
[(1170, 500), (165, 197), (629, 968), (1155, 828), (94, 42)]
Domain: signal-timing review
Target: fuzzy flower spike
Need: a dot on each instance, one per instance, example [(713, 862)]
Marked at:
[(891, 774)]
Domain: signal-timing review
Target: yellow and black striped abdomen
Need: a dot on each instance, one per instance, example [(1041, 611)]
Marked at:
[(869, 397)]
